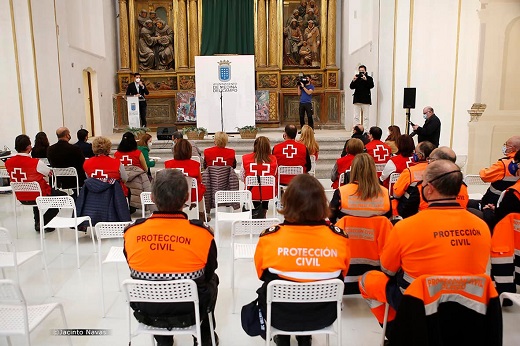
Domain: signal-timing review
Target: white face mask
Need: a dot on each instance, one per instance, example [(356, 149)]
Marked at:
[(137, 80), (150, 144), (425, 116), (504, 150)]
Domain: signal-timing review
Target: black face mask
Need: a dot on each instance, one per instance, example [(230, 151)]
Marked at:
[(431, 181)]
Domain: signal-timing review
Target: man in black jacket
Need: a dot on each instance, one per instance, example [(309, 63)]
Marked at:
[(63, 155), (361, 84), (86, 147), (137, 88), (431, 130)]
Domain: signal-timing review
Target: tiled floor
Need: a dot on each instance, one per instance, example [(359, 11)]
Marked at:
[(79, 292)]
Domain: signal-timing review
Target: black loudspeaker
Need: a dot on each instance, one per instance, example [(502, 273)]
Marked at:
[(166, 133), (409, 98)]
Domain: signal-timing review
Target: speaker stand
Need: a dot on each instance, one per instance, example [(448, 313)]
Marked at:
[(407, 121)]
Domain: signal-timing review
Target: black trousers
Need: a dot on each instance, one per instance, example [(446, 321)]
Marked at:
[(49, 214), (142, 113), (306, 108)]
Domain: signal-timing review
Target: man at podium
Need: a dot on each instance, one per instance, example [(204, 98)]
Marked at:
[(137, 88)]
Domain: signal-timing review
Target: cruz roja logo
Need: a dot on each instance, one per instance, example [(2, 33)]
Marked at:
[(224, 70)]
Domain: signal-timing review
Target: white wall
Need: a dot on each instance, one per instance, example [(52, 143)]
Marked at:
[(426, 62)]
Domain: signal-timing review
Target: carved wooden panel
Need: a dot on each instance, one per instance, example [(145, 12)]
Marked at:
[(187, 82), (269, 80), (291, 106), (333, 107), (161, 111), (332, 80), (289, 80), (273, 106)]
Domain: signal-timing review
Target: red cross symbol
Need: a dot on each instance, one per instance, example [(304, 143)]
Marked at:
[(381, 154), (259, 168), (126, 160), (219, 161), (289, 151), (99, 174), (18, 174), (409, 162), (182, 170)]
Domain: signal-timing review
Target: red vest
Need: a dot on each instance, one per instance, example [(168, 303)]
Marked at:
[(380, 151), (290, 153), (343, 163), (216, 156), (252, 168), (21, 169), (191, 168), (402, 162), (130, 158), (104, 167)]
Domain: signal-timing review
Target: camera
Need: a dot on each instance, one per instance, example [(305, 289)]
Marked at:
[(360, 74), (302, 80)]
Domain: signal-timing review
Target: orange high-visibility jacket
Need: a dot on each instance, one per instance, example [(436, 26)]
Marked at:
[(505, 253)]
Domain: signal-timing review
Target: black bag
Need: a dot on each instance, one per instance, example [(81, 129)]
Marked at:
[(253, 321), (409, 202), (168, 322), (259, 212)]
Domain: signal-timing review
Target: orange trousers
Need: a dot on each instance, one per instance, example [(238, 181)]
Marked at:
[(372, 286)]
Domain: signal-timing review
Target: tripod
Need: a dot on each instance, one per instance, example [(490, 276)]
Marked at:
[(408, 123), (221, 110)]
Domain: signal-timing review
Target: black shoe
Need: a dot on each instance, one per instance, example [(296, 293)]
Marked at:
[(82, 229), (207, 342), (304, 340), (47, 230), (282, 340)]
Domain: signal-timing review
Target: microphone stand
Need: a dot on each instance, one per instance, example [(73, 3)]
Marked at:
[(221, 110)]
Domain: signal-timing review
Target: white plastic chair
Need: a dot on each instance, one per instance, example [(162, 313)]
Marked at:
[(13, 259), (62, 202), (64, 172), (30, 186), (244, 237), (281, 291), (110, 230), (393, 179), (242, 197), (146, 199), (474, 182), (173, 291), (313, 165), (514, 297), (265, 180), (286, 170), (380, 167), (342, 177), (196, 158), (5, 175), (195, 185), (18, 318)]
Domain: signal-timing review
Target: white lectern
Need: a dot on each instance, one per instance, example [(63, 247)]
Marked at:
[(132, 103)]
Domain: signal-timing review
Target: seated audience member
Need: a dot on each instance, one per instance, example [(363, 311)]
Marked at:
[(354, 147), (41, 143), (22, 168), (182, 161), (424, 244), (498, 174), (394, 132), (399, 162), (62, 155), (358, 132), (219, 155), (104, 167), (414, 173), (291, 153), (307, 139), (195, 149), (379, 151), (510, 202), (305, 227), (86, 147), (195, 259), (144, 144), (128, 153), (363, 196), (259, 163)]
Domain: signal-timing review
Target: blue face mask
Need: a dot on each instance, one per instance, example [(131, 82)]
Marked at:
[(415, 157), (513, 167)]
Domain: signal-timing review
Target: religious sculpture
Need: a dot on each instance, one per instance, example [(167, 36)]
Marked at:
[(143, 17), (312, 37), (302, 9), (164, 46), (146, 42), (310, 16), (293, 41)]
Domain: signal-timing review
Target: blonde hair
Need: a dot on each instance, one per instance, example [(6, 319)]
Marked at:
[(101, 146), (307, 138), (363, 171), (221, 139)]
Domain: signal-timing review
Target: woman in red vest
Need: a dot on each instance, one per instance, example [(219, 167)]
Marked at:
[(401, 161), (219, 155), (182, 161), (260, 163), (354, 146), (128, 153), (104, 167)]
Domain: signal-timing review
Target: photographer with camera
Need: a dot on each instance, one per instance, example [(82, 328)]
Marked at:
[(361, 84), (305, 90)]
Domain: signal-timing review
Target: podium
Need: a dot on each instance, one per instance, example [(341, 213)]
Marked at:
[(133, 111)]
